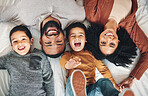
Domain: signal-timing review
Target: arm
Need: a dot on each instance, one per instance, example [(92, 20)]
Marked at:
[(3, 62), (69, 62), (48, 78), (103, 69), (94, 10), (141, 41)]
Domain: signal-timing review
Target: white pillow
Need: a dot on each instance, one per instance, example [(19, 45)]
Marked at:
[(4, 49), (142, 15), (4, 37), (36, 38), (32, 12)]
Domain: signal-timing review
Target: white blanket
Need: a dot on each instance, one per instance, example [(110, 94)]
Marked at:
[(139, 87)]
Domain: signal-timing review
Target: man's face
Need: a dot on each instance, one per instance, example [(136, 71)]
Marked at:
[(53, 40)]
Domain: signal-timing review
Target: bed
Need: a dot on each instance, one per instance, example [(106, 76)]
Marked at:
[(11, 15)]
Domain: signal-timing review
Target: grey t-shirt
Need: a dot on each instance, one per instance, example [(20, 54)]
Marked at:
[(30, 75)]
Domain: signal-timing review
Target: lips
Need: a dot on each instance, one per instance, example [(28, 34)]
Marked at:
[(21, 48), (51, 31), (109, 34)]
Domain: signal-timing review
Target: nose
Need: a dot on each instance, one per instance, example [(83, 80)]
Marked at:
[(19, 42), (109, 37), (53, 36), (77, 38)]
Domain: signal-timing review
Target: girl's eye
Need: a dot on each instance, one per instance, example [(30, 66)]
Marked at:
[(80, 35), (24, 39), (14, 41)]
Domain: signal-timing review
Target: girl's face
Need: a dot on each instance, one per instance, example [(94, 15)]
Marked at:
[(108, 41), (77, 39), (21, 43)]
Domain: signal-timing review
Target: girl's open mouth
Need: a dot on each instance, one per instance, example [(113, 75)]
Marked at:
[(77, 44)]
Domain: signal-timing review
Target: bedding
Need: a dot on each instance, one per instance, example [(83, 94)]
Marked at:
[(32, 12)]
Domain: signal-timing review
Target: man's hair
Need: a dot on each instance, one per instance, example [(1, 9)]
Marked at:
[(21, 28), (73, 25), (50, 24), (124, 53), (55, 55)]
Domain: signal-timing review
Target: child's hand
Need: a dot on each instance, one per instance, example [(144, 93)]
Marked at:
[(73, 63)]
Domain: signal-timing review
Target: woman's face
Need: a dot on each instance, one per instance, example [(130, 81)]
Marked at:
[(108, 41)]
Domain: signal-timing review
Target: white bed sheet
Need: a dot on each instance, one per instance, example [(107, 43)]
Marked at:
[(139, 87)]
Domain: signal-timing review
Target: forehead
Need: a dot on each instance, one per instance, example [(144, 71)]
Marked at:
[(77, 30), (18, 33)]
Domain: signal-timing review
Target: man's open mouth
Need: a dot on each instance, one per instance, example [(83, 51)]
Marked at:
[(52, 31)]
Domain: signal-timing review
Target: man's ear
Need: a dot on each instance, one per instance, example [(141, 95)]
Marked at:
[(31, 41), (40, 41)]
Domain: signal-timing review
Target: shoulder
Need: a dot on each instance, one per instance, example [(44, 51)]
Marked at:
[(67, 53), (37, 52)]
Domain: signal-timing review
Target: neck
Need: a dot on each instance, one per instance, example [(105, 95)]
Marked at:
[(111, 24)]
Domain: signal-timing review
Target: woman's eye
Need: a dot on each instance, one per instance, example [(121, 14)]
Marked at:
[(24, 39), (112, 44), (103, 42)]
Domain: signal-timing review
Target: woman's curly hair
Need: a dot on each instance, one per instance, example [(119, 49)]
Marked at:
[(124, 53)]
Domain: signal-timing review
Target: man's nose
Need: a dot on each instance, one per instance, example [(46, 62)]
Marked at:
[(53, 36)]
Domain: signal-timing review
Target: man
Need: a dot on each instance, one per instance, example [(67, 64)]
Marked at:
[(53, 45)]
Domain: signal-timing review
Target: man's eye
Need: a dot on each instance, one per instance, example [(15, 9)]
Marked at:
[(48, 44), (72, 35), (60, 44), (59, 41)]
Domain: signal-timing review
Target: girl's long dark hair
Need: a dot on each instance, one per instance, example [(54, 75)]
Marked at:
[(124, 53)]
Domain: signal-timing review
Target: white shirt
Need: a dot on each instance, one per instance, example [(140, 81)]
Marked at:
[(121, 9), (59, 75)]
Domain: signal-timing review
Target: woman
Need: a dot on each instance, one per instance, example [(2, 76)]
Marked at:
[(106, 13)]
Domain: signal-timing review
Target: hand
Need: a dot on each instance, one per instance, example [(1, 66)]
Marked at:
[(73, 63), (117, 87), (127, 83)]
